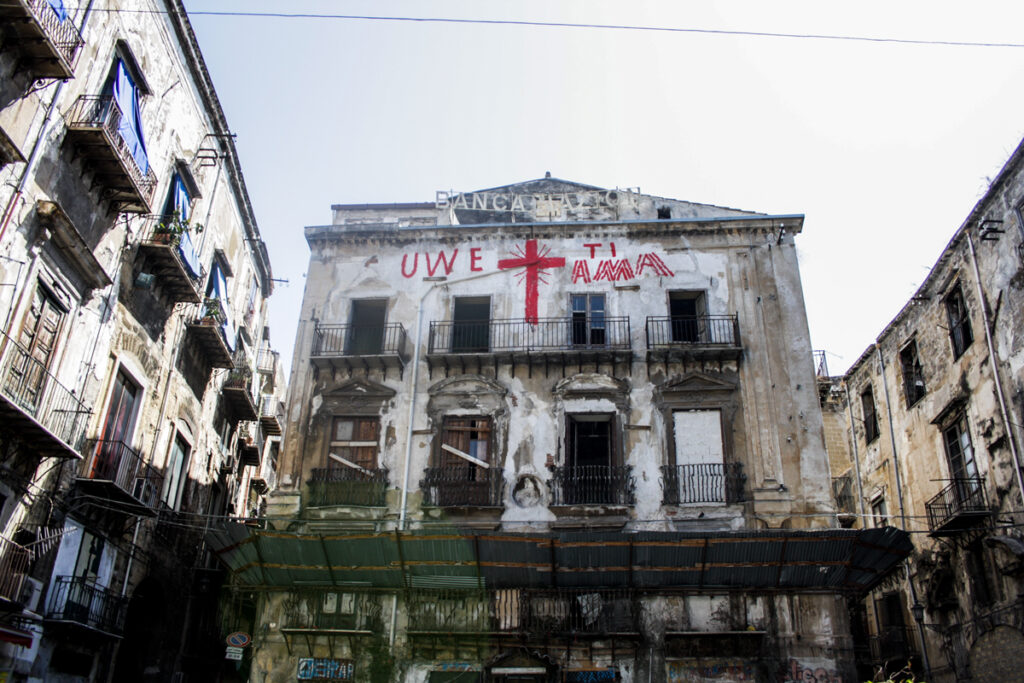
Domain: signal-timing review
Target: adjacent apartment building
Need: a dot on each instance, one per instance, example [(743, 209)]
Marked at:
[(925, 436), (139, 394), (553, 432)]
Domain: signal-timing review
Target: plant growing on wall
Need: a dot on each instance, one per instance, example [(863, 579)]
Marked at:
[(212, 309)]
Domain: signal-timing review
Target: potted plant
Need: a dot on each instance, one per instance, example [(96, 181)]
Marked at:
[(171, 227)]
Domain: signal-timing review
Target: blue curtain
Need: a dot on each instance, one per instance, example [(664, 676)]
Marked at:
[(188, 254), (130, 127), (220, 290), (182, 202), (58, 8)]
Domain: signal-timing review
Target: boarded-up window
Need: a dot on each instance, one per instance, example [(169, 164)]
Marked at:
[(469, 436), (700, 456), (354, 442)]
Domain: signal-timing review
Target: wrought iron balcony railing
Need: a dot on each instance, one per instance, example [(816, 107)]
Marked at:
[(121, 465), (521, 335), (27, 385), (842, 491), (698, 330), (463, 485), (592, 485), (49, 39), (959, 505), (94, 122), (325, 610), (80, 601), (707, 483), (359, 340), (14, 562), (347, 486), (171, 256), (558, 612), (266, 361)]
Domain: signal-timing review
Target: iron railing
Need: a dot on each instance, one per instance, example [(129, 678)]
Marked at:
[(463, 485), (961, 497), (592, 485), (62, 33), (521, 335), (694, 330), (562, 612), (80, 600), (270, 406), (29, 385), (348, 486), (359, 340), (842, 491), (101, 112), (893, 644), (702, 483), (266, 361), (334, 610), (14, 562), (820, 364), (117, 462), (182, 248)]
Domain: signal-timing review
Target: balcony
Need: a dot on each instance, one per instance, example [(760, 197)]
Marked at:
[(353, 347), (250, 445), (237, 395), (171, 258), (331, 612), (78, 601), (701, 337), (591, 485), (271, 415), (567, 613), (48, 44), (347, 486), (842, 492), (38, 409), (93, 123), (266, 361), (548, 342), (209, 334), (116, 473), (703, 483), (960, 505), (14, 563), (463, 486)]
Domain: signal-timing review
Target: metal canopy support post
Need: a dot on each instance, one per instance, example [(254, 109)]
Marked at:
[(327, 560)]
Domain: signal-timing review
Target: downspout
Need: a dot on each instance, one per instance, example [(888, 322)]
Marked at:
[(995, 368)]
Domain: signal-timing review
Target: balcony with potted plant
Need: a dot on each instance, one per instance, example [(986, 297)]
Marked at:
[(168, 254)]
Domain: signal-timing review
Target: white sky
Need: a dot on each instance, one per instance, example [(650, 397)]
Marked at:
[(885, 148)]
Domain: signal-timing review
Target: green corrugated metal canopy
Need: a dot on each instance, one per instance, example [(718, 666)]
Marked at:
[(844, 560)]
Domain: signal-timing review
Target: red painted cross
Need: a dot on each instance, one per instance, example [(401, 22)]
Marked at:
[(536, 263)]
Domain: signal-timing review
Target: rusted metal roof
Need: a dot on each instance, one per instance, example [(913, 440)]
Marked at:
[(847, 560)]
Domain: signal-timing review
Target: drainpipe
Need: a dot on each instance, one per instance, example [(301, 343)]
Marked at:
[(995, 367)]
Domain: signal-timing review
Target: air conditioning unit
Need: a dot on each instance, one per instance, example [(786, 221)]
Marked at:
[(31, 593)]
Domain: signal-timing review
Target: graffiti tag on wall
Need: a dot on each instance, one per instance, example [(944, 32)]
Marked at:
[(695, 671), (807, 672), (591, 676), (317, 669)]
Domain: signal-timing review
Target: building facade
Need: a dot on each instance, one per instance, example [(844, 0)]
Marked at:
[(549, 431), (926, 430), (138, 390)]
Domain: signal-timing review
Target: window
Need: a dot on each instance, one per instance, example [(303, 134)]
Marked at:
[(126, 96), (588, 323), (960, 452), (687, 312), (700, 456), (118, 428), (959, 321), (366, 327), (177, 468), (879, 513), (179, 208), (913, 376), (38, 339), (867, 406), (354, 443), (471, 322), (217, 288), (466, 436)]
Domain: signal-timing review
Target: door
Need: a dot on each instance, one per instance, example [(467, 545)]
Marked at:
[(471, 322), (588, 320), (114, 460), (590, 477), (366, 327), (38, 339), (686, 313)]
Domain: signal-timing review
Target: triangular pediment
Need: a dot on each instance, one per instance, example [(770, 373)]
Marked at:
[(467, 386), (544, 185), (362, 388), (696, 381)]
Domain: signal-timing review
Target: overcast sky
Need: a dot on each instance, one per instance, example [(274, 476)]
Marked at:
[(884, 147)]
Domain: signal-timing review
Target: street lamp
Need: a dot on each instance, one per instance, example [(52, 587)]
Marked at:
[(917, 609)]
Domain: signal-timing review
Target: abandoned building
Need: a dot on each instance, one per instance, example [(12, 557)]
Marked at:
[(924, 434), (553, 432), (139, 394)]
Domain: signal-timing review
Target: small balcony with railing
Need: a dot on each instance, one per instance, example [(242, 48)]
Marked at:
[(699, 337), (266, 361), (78, 601), (14, 565), (236, 393), (209, 332), (93, 128), (36, 408), (703, 484), (592, 485), (167, 253), (960, 505), (310, 613), (347, 486), (250, 444), (463, 486), (846, 502), (350, 347), (45, 36), (271, 415), (116, 476)]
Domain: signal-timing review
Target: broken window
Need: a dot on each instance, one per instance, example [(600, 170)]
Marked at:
[(687, 313), (588, 320), (959, 321), (366, 327), (867, 405), (913, 375), (37, 340), (465, 443), (354, 444), (664, 212), (471, 323), (700, 469), (879, 513)]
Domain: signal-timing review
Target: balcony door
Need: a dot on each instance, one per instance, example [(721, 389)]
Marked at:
[(366, 327), (38, 340), (687, 311), (118, 429), (589, 479), (700, 472), (588, 320), (960, 451), (471, 322)]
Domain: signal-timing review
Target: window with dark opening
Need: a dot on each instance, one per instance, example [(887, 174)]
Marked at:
[(471, 323), (913, 375), (879, 512), (664, 212), (959, 321), (590, 475), (984, 587), (960, 452), (366, 327), (588, 320), (867, 405), (687, 313)]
